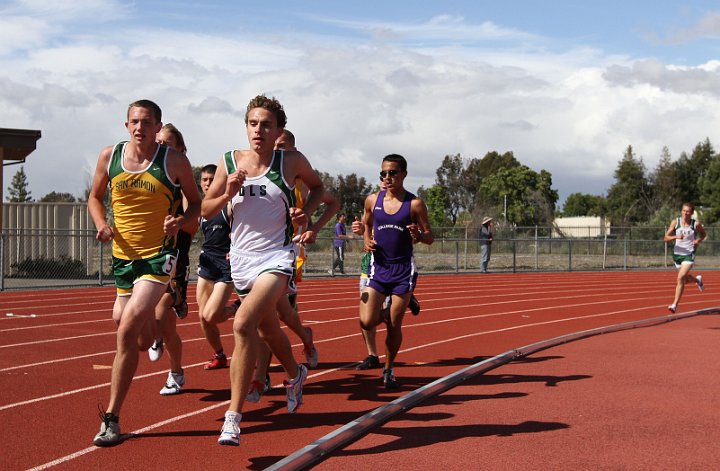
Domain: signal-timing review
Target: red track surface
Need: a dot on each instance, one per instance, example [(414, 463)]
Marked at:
[(640, 399)]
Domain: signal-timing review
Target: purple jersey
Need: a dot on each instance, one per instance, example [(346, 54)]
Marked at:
[(392, 266), (394, 243), (339, 231)]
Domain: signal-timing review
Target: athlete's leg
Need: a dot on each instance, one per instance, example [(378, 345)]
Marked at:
[(269, 326), (171, 338), (262, 365), (136, 311), (212, 302), (371, 302), (682, 277), (393, 341), (289, 316), (257, 307)]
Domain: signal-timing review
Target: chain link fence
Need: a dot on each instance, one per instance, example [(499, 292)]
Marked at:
[(59, 258)]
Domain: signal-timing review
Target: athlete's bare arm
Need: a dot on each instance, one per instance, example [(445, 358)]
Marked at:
[(367, 221), (96, 206), (332, 205), (222, 189), (701, 232), (420, 229), (670, 234)]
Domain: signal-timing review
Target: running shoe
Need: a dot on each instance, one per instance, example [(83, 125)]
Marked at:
[(700, 284), (672, 308), (230, 433), (294, 389), (389, 379), (109, 434), (216, 362), (255, 392), (372, 361), (311, 353), (174, 384), (414, 305), (156, 351)]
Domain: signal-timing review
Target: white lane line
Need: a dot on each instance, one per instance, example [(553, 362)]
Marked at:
[(475, 334), (87, 450), (90, 449)]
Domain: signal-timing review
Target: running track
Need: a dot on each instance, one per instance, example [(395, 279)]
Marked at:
[(55, 370)]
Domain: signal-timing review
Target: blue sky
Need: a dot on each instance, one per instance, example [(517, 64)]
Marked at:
[(565, 85)]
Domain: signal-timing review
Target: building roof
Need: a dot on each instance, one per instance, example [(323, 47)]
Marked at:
[(17, 144)]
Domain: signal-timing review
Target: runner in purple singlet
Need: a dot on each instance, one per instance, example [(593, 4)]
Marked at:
[(394, 220)]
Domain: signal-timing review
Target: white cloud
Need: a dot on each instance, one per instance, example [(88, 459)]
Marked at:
[(689, 80), (571, 112), (21, 33), (439, 29)]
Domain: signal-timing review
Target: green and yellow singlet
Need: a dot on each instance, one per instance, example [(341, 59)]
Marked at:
[(140, 202)]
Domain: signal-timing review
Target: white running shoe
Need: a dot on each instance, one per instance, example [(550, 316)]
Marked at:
[(255, 392), (109, 433), (672, 308), (700, 284), (294, 389), (230, 433), (156, 351), (174, 384)]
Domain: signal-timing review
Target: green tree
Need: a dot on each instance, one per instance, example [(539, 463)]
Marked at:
[(663, 182), (350, 190), (478, 169), (450, 176), (690, 169), (436, 200), (328, 182), (54, 197), (583, 204), (710, 192), (18, 189), (628, 197), (530, 197)]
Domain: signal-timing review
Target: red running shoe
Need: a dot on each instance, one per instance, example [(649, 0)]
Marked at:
[(216, 362)]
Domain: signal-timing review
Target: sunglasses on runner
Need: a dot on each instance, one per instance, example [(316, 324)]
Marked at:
[(389, 173)]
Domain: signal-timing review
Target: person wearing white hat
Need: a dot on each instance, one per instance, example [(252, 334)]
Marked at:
[(486, 238)]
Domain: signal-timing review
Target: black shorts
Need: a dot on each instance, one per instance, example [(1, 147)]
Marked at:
[(184, 241), (214, 268)]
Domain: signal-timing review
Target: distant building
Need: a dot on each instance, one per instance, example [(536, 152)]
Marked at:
[(582, 227), (15, 146), (49, 231)]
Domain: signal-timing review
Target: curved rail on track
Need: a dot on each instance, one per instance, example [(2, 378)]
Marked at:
[(348, 433)]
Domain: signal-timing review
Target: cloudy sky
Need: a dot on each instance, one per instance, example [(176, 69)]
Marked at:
[(565, 85)]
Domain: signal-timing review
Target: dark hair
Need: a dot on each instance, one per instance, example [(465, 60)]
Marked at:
[(290, 136), (689, 205), (270, 104), (170, 127), (339, 215), (148, 105), (209, 168), (397, 158)]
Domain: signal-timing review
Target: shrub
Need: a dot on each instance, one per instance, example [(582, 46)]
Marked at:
[(63, 267)]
